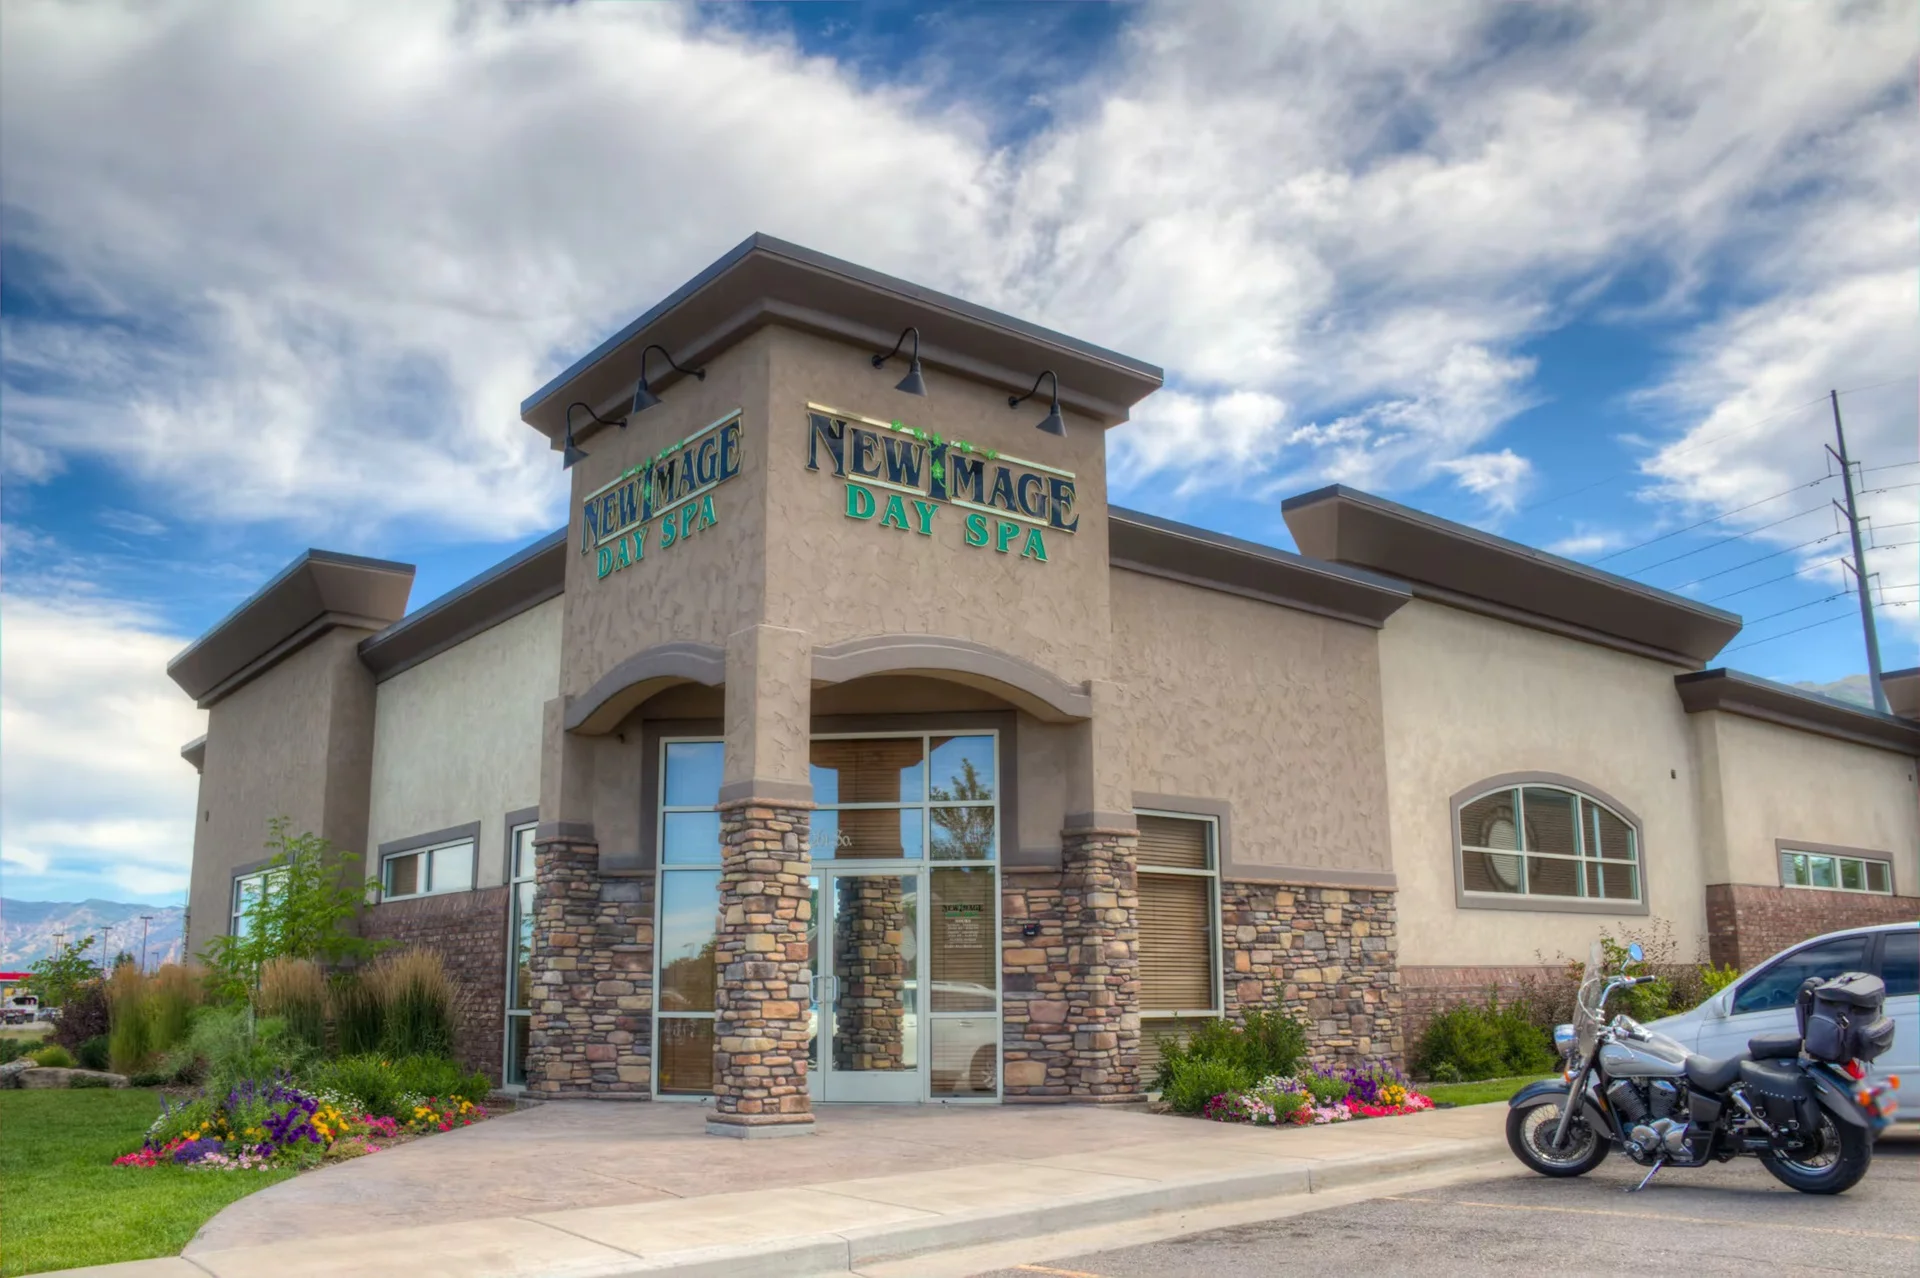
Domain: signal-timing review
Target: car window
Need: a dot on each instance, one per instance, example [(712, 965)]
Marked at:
[(1777, 984), (1900, 962)]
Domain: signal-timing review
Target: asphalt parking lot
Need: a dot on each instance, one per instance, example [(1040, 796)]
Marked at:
[(1728, 1218)]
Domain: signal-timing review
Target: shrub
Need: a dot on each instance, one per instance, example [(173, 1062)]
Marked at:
[(1194, 1080), (1473, 1040), (393, 1086), (82, 1016), (172, 995), (61, 974), (1718, 978), (233, 1046), (95, 1053), (89, 1080), (313, 893), (356, 1015), (416, 1003), (1271, 1043), (52, 1056), (151, 1078), (294, 990), (11, 1049), (129, 1037)]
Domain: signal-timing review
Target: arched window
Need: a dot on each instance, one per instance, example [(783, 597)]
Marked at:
[(1546, 841)]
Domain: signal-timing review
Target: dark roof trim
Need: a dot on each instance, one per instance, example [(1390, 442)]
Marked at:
[(1903, 691), (767, 280), (1757, 698), (1462, 563), (1158, 547), (195, 752), (313, 594), (524, 580)]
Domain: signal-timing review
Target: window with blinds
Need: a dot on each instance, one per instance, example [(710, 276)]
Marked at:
[(1179, 894)]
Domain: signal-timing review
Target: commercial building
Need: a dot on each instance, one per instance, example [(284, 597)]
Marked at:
[(848, 746)]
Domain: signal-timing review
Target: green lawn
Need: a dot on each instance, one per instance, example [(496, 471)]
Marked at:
[(63, 1203), (1480, 1093)]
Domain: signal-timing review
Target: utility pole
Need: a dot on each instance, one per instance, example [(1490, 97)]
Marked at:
[(1859, 564), (145, 919)]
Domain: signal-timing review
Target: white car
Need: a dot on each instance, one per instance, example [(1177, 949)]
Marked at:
[(1761, 1000)]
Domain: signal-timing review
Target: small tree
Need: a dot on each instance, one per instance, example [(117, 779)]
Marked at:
[(55, 977), (309, 896)]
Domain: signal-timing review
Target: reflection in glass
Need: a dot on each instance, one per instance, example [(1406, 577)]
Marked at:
[(685, 1054), (962, 769), (689, 924), (523, 853), (962, 834), (690, 838), (518, 1030), (522, 992), (1550, 821), (693, 773), (1491, 871), (963, 954), (966, 1055), (453, 868), (868, 770), (865, 834), (875, 925)]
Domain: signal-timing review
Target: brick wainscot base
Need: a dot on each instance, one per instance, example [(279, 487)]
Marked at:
[(1748, 924), (469, 932)]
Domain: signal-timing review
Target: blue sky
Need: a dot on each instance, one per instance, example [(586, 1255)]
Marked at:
[(1579, 274)]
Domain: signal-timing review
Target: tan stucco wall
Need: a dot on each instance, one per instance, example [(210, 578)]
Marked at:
[(1274, 711), (1469, 697), (457, 738), (296, 742), (1763, 781)]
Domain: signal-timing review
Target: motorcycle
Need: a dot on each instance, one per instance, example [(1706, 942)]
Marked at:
[(1797, 1101)]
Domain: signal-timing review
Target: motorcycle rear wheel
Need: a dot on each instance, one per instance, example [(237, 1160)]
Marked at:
[(1530, 1136), (1844, 1155)]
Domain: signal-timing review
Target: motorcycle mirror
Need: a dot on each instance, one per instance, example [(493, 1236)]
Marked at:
[(1635, 953)]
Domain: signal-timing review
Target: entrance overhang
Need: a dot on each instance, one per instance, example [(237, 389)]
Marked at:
[(1040, 693), (617, 693)]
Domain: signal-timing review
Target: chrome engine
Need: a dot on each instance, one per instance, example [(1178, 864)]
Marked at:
[(1654, 1112)]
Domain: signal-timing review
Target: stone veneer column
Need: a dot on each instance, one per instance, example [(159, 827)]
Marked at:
[(1327, 955), (1100, 901), (591, 966), (760, 1028)]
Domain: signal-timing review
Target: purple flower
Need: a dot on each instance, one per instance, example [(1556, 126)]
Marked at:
[(194, 1151)]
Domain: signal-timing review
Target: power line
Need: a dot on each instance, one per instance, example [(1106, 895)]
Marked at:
[(1730, 537), (1758, 559), (1898, 603), (1716, 519), (1876, 385), (1868, 470), (1771, 580), (1754, 621)]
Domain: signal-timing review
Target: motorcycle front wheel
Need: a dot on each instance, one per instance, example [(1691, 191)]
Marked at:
[(1530, 1134), (1833, 1167)]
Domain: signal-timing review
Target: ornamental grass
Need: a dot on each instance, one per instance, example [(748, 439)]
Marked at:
[(173, 992), (294, 990), (129, 1029), (356, 1014), (416, 1003)]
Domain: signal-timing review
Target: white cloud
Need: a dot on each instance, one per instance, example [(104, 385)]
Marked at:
[(92, 785), (1584, 543), (330, 249), (1499, 477)]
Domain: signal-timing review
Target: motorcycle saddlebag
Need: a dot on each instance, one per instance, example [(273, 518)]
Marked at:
[(1840, 1019), (1783, 1092)]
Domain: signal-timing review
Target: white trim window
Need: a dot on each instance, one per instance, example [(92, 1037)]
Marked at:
[(249, 893), (1831, 872), (688, 929), (520, 903), (1547, 842), (447, 867), (1179, 915)]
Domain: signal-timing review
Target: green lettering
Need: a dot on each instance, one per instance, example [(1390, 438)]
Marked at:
[(639, 545), (976, 533), (687, 513), (896, 516), (859, 502), (605, 565), (668, 532), (707, 518), (1036, 547), (923, 511), (621, 560), (1003, 535)]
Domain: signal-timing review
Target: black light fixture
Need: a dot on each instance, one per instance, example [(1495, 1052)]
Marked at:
[(912, 383), (1052, 423), (573, 452), (643, 396)]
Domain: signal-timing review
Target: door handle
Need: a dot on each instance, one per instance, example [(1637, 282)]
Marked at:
[(825, 989)]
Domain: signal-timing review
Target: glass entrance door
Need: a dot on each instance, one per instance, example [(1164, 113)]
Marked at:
[(866, 1014)]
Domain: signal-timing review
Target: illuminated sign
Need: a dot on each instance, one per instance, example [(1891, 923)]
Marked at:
[(674, 486), (901, 476)]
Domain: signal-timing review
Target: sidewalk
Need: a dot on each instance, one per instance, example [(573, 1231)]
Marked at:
[(711, 1208)]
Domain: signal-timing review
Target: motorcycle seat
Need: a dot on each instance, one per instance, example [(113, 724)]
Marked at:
[(1710, 1075), (1774, 1047)]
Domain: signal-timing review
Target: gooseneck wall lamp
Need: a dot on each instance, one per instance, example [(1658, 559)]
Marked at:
[(573, 452), (1052, 423), (912, 383), (643, 396)]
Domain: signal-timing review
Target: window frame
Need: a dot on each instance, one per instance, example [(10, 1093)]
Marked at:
[(1466, 899), (263, 876), (662, 867), (1217, 955), (1783, 849), (514, 881), (429, 850)]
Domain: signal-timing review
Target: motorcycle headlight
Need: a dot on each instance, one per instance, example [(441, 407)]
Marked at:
[(1563, 1039)]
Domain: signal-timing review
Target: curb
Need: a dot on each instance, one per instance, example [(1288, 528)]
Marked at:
[(850, 1250)]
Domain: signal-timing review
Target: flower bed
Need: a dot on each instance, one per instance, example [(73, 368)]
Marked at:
[(1319, 1095), (261, 1126)]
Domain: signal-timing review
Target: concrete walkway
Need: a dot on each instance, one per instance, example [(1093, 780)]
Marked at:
[(598, 1190)]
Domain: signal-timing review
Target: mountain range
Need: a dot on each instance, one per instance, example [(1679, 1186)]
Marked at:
[(31, 930)]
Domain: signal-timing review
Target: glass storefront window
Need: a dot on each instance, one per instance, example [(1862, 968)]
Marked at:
[(690, 838), (520, 954), (686, 935), (689, 934), (693, 774), (869, 770), (962, 769)]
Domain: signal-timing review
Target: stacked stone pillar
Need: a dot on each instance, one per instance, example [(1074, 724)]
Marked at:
[(760, 1030), (1100, 902)]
